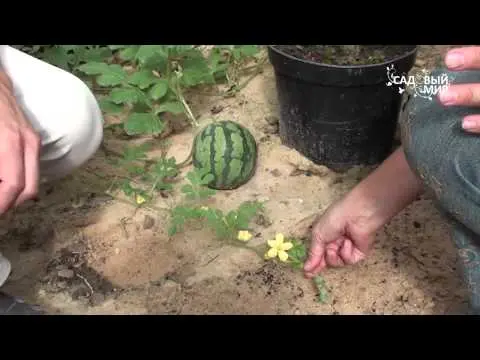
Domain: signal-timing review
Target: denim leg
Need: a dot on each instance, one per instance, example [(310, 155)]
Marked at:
[(447, 159)]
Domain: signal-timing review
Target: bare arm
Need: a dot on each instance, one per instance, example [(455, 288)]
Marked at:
[(385, 192), (344, 233)]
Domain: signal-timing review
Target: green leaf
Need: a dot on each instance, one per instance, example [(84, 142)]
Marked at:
[(179, 50), (110, 75), (147, 52), (96, 53), (187, 188), (110, 107), (57, 56), (127, 188), (248, 50), (93, 68), (196, 72), (127, 95), (174, 107), (132, 152), (159, 90), (143, 124), (129, 53), (207, 179), (143, 79), (115, 75), (166, 167), (246, 211)]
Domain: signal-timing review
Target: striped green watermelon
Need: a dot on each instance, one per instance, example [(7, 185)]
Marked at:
[(229, 151)]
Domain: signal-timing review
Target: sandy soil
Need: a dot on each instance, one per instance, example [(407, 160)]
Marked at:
[(77, 251)]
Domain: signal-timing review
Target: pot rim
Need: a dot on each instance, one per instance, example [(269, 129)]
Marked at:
[(366, 66)]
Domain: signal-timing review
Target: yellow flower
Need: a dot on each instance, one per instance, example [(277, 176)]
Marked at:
[(140, 199), (244, 235), (278, 248)]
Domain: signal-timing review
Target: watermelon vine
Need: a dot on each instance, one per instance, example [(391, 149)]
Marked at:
[(147, 86)]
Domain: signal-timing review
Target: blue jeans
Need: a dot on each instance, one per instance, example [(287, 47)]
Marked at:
[(447, 159)]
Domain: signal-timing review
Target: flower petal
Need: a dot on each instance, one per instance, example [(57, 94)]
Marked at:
[(140, 199), (282, 255), (272, 252), (279, 238), (272, 243), (286, 246), (244, 235)]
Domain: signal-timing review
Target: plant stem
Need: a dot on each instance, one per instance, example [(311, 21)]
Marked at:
[(151, 207), (188, 110)]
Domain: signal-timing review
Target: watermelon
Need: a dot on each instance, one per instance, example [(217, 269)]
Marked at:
[(229, 151)]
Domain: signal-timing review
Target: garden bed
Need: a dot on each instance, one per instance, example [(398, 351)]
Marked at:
[(81, 251)]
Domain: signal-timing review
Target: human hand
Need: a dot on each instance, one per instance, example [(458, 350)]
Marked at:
[(340, 237), (464, 58), (19, 152)]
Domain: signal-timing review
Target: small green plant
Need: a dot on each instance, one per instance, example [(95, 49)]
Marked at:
[(227, 226), (294, 253), (322, 291), (144, 177)]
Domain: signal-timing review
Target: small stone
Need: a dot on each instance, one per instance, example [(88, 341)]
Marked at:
[(148, 222), (272, 120), (276, 173), (263, 220), (66, 274), (216, 109), (117, 251)]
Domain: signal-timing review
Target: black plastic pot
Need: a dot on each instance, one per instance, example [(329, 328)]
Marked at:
[(338, 116)]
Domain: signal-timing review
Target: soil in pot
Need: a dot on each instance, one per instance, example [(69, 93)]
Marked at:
[(344, 55)]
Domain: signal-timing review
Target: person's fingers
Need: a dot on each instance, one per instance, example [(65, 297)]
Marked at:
[(32, 167), (317, 270), (461, 94), (351, 254), (346, 252), (463, 58), (315, 254), (12, 174), (332, 256), (471, 124)]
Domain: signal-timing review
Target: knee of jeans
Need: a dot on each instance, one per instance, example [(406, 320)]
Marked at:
[(415, 142), (81, 133)]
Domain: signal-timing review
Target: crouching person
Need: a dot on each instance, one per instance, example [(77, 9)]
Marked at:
[(439, 154), (50, 125)]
